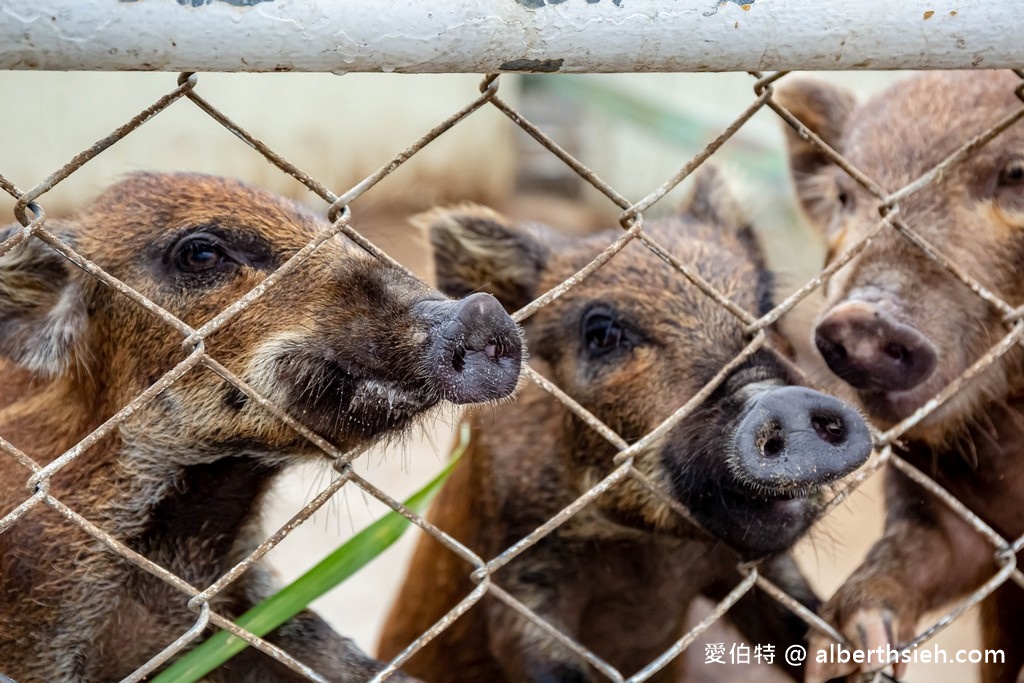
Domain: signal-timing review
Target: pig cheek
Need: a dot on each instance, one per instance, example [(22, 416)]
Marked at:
[(836, 240), (133, 368), (1009, 207), (654, 380), (1008, 215), (847, 231), (835, 286), (635, 394)]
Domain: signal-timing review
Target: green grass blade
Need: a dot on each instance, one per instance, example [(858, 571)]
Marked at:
[(292, 599)]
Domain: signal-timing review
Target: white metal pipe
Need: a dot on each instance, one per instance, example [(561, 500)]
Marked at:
[(429, 36)]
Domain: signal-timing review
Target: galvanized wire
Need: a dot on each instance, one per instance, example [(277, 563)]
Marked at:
[(621, 468)]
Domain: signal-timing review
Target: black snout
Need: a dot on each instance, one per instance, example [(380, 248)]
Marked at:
[(795, 438), (870, 350), (475, 349)]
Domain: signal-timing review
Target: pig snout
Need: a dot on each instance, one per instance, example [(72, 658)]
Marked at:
[(869, 350), (474, 350), (795, 438)]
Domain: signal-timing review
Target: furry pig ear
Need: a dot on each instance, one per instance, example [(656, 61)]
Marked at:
[(43, 313), (712, 202), (477, 249), (824, 109)]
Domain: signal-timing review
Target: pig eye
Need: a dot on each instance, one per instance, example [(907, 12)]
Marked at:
[(1013, 174), (200, 253), (603, 333), (845, 198)]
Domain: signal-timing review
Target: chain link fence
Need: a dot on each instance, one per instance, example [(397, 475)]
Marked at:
[(30, 214)]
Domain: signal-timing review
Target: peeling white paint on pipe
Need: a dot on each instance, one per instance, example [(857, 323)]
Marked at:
[(477, 36)]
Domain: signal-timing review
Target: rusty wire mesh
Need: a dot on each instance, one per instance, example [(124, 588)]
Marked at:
[(30, 214)]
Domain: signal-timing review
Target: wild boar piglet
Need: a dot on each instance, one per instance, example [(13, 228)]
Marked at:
[(352, 348), (898, 328), (632, 343)]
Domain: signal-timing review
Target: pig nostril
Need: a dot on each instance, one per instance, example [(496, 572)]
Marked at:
[(839, 352), (459, 359), (771, 440), (829, 428), (773, 446), (895, 351)]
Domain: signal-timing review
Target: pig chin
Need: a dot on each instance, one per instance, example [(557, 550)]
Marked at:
[(754, 520), (378, 407), (761, 522), (887, 408), (347, 409), (938, 426)]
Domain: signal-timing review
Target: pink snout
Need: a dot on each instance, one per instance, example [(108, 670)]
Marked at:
[(871, 351)]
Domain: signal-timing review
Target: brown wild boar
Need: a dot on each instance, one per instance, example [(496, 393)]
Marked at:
[(898, 328), (353, 348), (631, 343)]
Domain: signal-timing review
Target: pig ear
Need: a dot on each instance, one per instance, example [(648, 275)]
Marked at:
[(824, 109), (43, 313), (712, 202), (476, 249)]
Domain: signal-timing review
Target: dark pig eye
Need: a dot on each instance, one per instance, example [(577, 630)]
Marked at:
[(603, 333), (200, 253), (1012, 174), (199, 256), (845, 197)]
